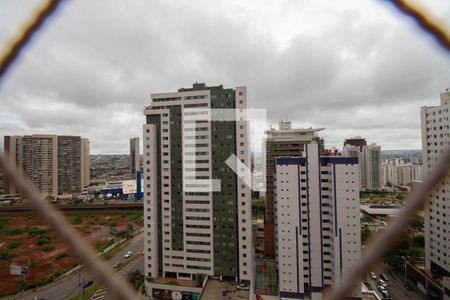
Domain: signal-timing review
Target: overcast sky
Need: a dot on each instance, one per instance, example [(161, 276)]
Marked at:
[(357, 68)]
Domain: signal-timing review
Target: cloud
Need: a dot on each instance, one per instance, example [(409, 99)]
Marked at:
[(355, 68)]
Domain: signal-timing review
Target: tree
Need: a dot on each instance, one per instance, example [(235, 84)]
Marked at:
[(135, 278), (365, 234), (417, 224)]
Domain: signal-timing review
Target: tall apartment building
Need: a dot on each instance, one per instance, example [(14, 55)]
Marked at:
[(435, 138), (56, 165), (395, 172), (356, 141), (135, 160), (317, 222), (2, 184), (369, 157), (286, 141), (197, 210)]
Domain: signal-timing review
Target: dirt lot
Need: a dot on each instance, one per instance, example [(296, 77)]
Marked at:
[(26, 242)]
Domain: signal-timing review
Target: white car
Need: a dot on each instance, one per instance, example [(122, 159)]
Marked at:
[(128, 254), (382, 282), (373, 275), (243, 286)]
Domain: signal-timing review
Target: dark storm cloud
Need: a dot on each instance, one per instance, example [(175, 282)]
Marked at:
[(354, 71)]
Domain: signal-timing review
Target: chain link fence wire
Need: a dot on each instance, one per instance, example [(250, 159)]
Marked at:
[(378, 246), (425, 21), (33, 25)]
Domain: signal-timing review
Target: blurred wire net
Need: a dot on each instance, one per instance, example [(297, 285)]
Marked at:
[(378, 247)]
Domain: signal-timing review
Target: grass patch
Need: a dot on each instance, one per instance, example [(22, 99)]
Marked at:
[(61, 256), (13, 245), (3, 221), (37, 231), (12, 231), (43, 240), (7, 255), (103, 245), (88, 293), (368, 219), (77, 220), (113, 252)]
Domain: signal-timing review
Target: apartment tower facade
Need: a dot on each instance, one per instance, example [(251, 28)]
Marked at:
[(197, 210), (286, 141), (435, 138), (135, 160), (317, 222), (369, 158), (356, 141), (56, 165)]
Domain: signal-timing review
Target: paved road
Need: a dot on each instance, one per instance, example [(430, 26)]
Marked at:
[(68, 287), (398, 291), (395, 287), (136, 264)]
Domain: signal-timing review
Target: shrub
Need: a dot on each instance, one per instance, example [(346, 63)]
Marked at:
[(49, 248), (61, 255), (45, 239), (34, 284), (3, 222), (7, 255), (37, 231), (77, 220), (13, 244), (13, 230), (102, 246)]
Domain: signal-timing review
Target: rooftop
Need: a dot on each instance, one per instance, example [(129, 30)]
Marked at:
[(174, 281)]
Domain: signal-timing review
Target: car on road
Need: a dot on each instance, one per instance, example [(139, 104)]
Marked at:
[(242, 286), (373, 275), (381, 288), (128, 254), (88, 283), (382, 282), (385, 294), (117, 264), (384, 277)]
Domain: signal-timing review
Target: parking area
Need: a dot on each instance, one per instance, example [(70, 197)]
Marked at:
[(224, 290)]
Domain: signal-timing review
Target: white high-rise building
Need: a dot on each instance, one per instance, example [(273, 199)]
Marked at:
[(369, 158), (435, 137), (317, 222), (197, 210)]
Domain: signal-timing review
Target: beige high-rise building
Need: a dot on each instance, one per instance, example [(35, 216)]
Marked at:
[(369, 158), (56, 165)]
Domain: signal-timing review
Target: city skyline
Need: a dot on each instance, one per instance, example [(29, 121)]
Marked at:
[(337, 68)]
